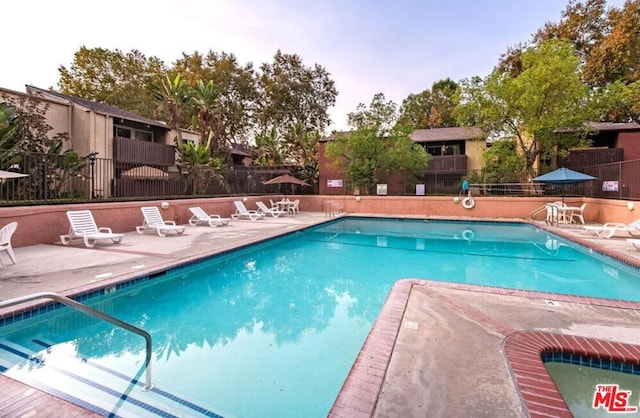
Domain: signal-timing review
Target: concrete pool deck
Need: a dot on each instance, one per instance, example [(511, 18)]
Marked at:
[(443, 347)]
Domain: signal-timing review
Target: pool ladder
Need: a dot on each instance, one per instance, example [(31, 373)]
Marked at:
[(551, 213), (95, 313), (331, 208)]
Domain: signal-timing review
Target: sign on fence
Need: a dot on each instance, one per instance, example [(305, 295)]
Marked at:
[(609, 186)]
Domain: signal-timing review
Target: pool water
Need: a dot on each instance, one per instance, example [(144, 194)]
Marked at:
[(273, 329), (577, 384)]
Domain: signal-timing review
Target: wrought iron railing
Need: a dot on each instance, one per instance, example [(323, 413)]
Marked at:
[(55, 179)]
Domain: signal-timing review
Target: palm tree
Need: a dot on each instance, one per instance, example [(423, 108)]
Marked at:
[(200, 165), (269, 149), (209, 120), (172, 95)]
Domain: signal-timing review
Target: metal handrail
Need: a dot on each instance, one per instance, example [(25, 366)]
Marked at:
[(95, 313), (334, 204)]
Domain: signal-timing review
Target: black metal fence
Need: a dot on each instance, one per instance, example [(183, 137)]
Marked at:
[(55, 179)]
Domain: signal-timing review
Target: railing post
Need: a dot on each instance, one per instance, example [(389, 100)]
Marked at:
[(92, 164)]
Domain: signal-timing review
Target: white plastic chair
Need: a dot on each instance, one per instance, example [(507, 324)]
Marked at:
[(578, 215), (294, 207), (5, 241), (83, 226)]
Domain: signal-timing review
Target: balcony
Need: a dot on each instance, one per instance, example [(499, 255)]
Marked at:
[(142, 152), (448, 163)]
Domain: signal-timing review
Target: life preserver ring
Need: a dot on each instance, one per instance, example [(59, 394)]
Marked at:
[(468, 202), (468, 234)]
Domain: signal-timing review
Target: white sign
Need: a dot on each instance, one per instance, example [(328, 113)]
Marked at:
[(609, 186), (334, 183), (381, 189), (420, 189)]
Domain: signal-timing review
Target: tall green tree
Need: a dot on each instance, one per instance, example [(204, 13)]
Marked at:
[(302, 151), (375, 146), (171, 94), (269, 149), (205, 97), (618, 102), (432, 108), (607, 39), (200, 166), (533, 107), (233, 108), (112, 77), (607, 42), (30, 130), (7, 128), (291, 93)]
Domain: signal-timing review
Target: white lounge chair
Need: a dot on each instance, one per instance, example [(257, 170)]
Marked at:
[(243, 213), (635, 242), (274, 211), (612, 228), (83, 226), (5, 241), (202, 217), (153, 221)]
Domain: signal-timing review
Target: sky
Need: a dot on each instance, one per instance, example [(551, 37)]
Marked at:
[(368, 46)]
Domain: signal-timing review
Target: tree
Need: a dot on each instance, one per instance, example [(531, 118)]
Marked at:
[(618, 102), (376, 146), (607, 41), (171, 94), (268, 149), (502, 163), (543, 108), (200, 165), (302, 151), (233, 108), (112, 77), (205, 98), (31, 132), (433, 108), (7, 128), (616, 56), (290, 93)]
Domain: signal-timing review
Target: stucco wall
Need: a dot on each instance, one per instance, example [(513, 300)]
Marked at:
[(630, 141), (44, 224), (474, 154)]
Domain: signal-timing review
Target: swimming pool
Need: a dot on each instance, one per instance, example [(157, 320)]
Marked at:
[(273, 329)]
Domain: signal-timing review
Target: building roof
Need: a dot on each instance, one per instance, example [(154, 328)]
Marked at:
[(445, 134), (430, 135), (613, 126), (102, 108)]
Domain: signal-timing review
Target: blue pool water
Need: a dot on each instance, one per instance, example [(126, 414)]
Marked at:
[(273, 329)]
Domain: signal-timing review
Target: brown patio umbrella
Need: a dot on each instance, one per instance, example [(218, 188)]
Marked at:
[(145, 173), (285, 179)]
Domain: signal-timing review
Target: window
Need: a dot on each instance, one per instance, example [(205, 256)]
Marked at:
[(126, 132), (444, 148)]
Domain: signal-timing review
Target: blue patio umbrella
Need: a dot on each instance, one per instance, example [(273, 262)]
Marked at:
[(563, 177)]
